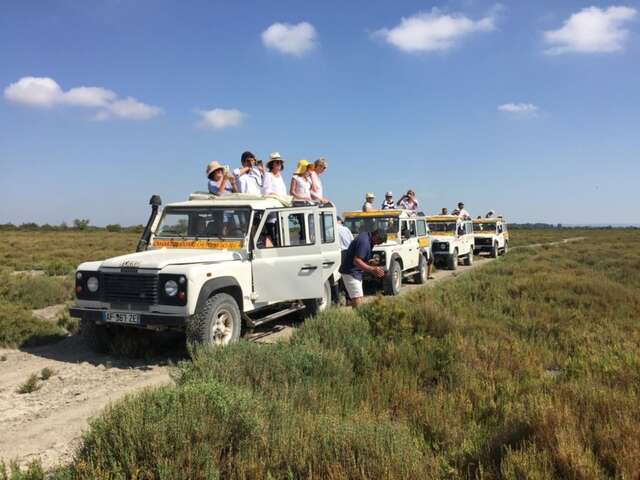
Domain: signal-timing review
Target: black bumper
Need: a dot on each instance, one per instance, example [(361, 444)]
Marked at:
[(146, 319)]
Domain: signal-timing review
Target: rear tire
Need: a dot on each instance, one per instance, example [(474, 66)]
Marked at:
[(97, 337), (218, 322), (392, 281), (452, 260), (317, 305), (421, 276)]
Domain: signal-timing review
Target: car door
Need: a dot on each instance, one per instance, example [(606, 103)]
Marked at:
[(329, 246), (289, 267), (409, 251)]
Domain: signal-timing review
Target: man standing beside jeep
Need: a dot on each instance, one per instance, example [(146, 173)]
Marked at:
[(355, 262)]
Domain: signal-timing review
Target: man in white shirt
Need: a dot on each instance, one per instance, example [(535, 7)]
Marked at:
[(249, 176), (462, 213), (368, 202), (345, 237)]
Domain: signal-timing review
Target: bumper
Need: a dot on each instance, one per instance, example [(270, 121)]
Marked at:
[(146, 319), (444, 253)]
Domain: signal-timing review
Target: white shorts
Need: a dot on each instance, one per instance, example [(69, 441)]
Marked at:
[(353, 286)]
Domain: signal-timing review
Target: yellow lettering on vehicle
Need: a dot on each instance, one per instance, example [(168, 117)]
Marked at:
[(375, 213), (199, 244), (423, 242), (443, 234)]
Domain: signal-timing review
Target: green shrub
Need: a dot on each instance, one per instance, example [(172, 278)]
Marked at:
[(19, 329), (193, 431), (30, 385)]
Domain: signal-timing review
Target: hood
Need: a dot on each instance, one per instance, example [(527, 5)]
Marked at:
[(170, 256)]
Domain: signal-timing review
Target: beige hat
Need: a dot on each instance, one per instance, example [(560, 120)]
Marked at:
[(302, 167), (370, 195), (212, 167), (275, 156)]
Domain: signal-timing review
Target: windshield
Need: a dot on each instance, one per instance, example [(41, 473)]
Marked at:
[(484, 227), (435, 227), (204, 222), (388, 225)]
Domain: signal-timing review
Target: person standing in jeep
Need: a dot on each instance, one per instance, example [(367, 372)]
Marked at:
[(356, 261), (249, 177)]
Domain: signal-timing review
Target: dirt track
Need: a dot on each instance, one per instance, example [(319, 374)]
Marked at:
[(48, 423)]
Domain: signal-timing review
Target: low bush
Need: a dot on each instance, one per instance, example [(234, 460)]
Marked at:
[(19, 329), (30, 385)]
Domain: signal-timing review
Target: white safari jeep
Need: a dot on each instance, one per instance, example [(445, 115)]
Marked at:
[(210, 266), (405, 254), (491, 235), (451, 240)]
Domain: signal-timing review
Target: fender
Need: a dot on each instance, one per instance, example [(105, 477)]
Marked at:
[(396, 256), (220, 283)]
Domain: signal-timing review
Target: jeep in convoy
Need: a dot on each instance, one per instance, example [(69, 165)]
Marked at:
[(451, 240), (405, 254), (211, 266), (490, 235)]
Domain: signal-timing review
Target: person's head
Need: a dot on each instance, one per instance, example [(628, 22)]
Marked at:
[(275, 163), (302, 168), (248, 159), (320, 165), (445, 211), (460, 205), (388, 196), (378, 236), (215, 171), (339, 219), (370, 197), (411, 195)]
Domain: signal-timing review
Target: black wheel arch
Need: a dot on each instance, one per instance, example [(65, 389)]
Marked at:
[(217, 285), (395, 257)]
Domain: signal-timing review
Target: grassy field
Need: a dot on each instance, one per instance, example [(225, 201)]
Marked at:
[(526, 368)]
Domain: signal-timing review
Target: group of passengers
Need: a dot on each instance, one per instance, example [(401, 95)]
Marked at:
[(458, 212), (407, 202), (252, 178)]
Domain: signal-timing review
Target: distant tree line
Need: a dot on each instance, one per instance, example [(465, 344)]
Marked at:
[(77, 224), (542, 226)]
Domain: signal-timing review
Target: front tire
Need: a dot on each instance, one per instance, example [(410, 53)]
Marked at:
[(506, 248), (495, 251), (421, 276), (317, 305), (393, 279), (452, 261), (218, 322), (97, 337), (469, 259)]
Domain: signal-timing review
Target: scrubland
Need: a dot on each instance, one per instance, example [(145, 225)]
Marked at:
[(528, 367)]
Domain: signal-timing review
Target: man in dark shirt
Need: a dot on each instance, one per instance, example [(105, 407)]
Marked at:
[(355, 262)]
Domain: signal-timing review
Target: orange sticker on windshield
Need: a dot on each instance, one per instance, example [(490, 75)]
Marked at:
[(199, 244)]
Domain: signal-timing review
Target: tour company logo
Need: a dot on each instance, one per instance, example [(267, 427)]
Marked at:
[(129, 266)]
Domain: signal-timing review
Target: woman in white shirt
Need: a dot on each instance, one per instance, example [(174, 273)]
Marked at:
[(301, 182), (273, 183), (317, 192)]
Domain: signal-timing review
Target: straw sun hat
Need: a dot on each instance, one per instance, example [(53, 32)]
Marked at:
[(302, 166), (212, 167), (275, 156)]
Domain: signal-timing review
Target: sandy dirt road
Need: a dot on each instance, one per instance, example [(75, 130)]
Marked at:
[(48, 423)]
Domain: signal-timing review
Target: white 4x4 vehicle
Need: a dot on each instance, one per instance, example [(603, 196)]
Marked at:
[(491, 235), (210, 266), (405, 254), (451, 240)]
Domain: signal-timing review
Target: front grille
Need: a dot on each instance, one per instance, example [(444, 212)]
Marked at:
[(483, 241), (130, 288)]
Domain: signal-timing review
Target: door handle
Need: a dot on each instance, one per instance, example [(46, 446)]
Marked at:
[(328, 264), (309, 268)]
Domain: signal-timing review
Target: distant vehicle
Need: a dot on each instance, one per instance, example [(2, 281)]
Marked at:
[(452, 240), (490, 235), (407, 251), (210, 266)]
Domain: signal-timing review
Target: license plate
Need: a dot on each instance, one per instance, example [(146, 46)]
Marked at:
[(122, 317)]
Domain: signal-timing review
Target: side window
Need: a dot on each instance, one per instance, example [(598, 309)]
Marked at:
[(469, 228), (422, 228), (296, 226), (328, 227), (270, 234), (412, 228), (404, 229), (311, 221)]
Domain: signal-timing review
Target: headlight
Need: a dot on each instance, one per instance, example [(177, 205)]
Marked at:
[(93, 284), (171, 288), (444, 246)]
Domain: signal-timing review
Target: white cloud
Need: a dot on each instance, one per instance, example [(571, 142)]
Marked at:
[(519, 109), (591, 30), (220, 118), (44, 92), (433, 31), (290, 39)]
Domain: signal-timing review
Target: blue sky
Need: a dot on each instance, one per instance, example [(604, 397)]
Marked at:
[(528, 108)]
